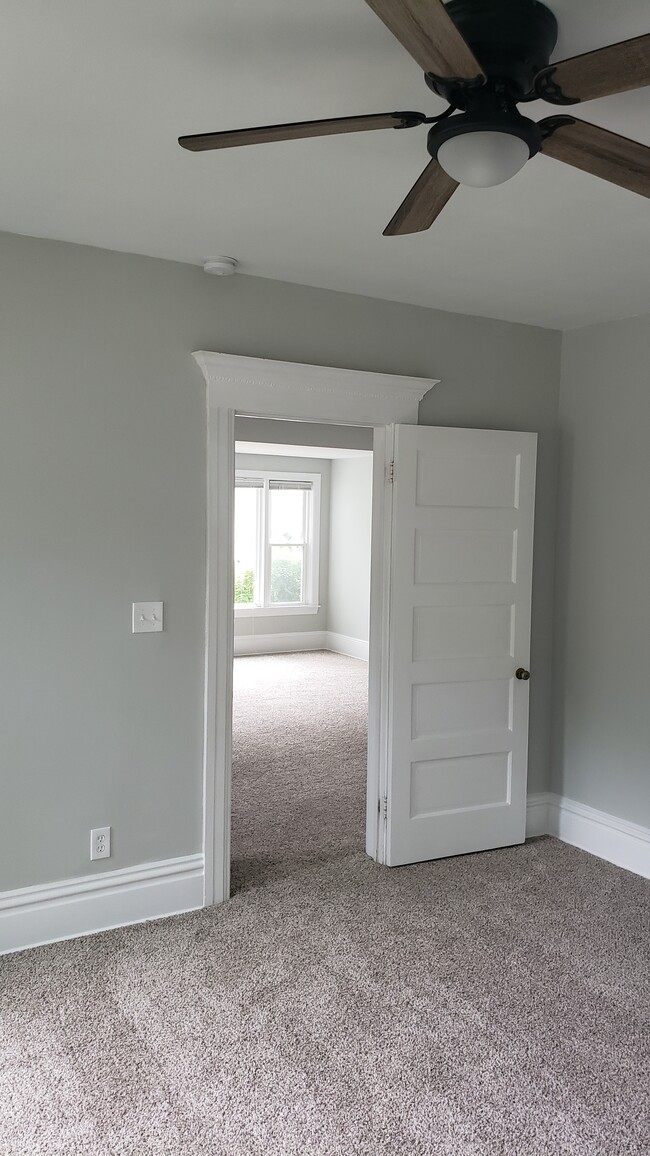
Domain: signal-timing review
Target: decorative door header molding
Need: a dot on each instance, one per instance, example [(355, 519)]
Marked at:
[(310, 392)]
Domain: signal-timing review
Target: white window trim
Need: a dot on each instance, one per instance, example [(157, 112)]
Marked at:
[(311, 572), (279, 610)]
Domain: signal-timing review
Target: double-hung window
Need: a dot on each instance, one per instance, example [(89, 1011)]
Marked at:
[(276, 542)]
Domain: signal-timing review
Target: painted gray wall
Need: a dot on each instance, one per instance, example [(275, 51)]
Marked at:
[(102, 502), (602, 715), (303, 433), (299, 623), (350, 525)]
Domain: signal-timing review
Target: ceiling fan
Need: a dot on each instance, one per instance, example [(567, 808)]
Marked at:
[(484, 57)]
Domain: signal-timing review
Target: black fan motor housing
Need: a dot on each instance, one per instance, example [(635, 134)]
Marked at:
[(512, 39)]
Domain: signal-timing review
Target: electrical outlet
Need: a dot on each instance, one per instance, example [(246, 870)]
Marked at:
[(100, 843)]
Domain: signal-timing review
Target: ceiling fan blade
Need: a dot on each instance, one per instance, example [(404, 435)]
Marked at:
[(426, 30), (617, 68), (605, 154), (298, 130), (425, 201)]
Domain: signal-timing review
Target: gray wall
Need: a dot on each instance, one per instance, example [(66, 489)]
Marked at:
[(350, 525), (283, 623), (303, 433), (102, 502), (602, 704)]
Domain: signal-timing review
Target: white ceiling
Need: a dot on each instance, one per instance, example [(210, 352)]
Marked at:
[(94, 94)]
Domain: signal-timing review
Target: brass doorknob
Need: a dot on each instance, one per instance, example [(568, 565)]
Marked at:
[(524, 675)]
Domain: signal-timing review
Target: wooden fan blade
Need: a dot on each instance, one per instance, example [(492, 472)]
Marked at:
[(605, 154), (617, 68), (426, 30), (425, 201), (298, 130)]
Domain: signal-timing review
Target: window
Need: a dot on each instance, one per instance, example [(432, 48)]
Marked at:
[(276, 542)]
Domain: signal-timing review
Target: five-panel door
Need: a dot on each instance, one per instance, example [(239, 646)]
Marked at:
[(461, 572)]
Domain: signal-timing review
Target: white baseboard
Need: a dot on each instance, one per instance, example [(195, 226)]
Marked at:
[(344, 644), (290, 643), (537, 815), (32, 916), (295, 641), (618, 841)]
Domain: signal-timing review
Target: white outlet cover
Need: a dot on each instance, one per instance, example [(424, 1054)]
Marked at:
[(100, 843), (147, 617)]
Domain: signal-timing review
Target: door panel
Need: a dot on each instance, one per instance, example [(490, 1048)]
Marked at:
[(461, 570), (464, 555), (449, 784), (438, 709), (444, 481), (461, 632)]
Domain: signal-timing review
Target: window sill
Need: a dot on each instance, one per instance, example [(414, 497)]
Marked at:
[(274, 611)]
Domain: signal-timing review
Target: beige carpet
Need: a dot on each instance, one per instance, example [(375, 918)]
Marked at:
[(300, 735), (493, 1005)]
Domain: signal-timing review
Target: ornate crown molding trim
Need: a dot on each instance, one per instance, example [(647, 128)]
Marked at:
[(317, 390)]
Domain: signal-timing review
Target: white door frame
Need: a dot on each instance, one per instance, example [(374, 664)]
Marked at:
[(282, 389)]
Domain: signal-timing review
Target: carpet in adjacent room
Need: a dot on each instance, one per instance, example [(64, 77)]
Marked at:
[(300, 734)]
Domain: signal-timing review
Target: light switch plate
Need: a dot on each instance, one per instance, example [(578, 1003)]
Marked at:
[(147, 617)]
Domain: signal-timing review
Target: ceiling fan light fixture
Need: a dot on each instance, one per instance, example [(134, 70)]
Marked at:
[(484, 158), (486, 145), (484, 58)]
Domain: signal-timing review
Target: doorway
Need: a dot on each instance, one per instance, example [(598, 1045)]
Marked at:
[(312, 393), (302, 544)]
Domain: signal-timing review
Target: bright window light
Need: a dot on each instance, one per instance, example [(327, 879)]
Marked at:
[(276, 542)]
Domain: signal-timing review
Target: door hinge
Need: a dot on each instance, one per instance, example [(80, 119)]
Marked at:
[(390, 473), (382, 806)]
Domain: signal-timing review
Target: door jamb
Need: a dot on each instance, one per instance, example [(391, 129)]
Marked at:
[(313, 393)]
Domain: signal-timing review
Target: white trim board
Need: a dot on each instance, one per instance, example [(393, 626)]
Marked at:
[(618, 841), (32, 916), (296, 641), (344, 644), (289, 643), (320, 393)]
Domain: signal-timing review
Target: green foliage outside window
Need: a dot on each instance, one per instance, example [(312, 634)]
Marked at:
[(286, 580), (244, 587)]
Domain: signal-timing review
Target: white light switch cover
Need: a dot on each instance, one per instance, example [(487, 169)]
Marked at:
[(147, 617)]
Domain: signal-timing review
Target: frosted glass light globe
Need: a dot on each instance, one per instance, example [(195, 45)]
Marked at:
[(483, 159)]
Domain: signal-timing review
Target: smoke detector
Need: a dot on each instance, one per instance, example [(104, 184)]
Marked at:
[(220, 266)]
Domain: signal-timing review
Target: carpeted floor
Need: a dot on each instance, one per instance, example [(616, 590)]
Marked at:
[(491, 1005), (300, 735)]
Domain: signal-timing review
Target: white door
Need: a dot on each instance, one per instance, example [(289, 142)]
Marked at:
[(461, 568)]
